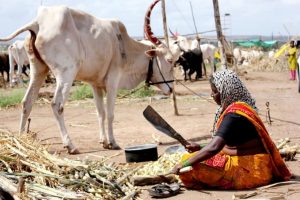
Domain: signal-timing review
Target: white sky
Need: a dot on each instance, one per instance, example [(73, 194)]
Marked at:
[(247, 17)]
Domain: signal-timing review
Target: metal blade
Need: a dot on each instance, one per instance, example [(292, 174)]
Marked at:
[(160, 124)]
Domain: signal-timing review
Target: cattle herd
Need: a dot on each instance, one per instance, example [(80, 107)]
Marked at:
[(14, 59), (78, 46)]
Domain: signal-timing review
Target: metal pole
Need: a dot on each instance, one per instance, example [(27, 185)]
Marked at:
[(163, 8)]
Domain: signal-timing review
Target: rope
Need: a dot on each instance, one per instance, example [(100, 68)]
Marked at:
[(131, 92), (210, 101), (206, 99), (186, 21)]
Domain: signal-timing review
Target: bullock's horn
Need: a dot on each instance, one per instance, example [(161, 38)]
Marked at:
[(147, 29)]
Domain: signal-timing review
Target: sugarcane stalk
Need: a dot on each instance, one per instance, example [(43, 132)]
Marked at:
[(37, 168), (17, 151), (113, 185), (7, 185), (7, 166), (285, 141), (131, 195), (55, 192), (123, 178)]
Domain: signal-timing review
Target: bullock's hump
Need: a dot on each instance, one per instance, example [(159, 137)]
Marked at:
[(51, 19), (121, 26)]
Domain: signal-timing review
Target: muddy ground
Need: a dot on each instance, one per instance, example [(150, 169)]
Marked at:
[(194, 122)]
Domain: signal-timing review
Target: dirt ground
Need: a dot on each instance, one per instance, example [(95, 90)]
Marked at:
[(194, 122)]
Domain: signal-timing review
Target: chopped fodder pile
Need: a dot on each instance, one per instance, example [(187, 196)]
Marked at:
[(26, 166), (162, 166), (287, 150), (29, 171)]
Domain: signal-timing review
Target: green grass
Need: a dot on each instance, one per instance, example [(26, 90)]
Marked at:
[(84, 91), (140, 93), (11, 97)]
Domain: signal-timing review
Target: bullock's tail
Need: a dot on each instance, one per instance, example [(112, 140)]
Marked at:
[(33, 26)]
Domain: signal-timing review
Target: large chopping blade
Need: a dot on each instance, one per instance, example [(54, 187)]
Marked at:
[(160, 124)]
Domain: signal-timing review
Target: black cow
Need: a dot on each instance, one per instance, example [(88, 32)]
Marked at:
[(4, 65), (191, 61)]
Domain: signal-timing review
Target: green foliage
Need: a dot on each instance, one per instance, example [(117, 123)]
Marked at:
[(11, 97), (140, 92), (83, 91), (14, 97)]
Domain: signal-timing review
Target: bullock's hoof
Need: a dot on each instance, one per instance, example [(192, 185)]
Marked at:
[(111, 146), (101, 142), (72, 151)]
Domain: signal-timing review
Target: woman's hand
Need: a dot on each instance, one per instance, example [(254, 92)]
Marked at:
[(192, 147), (176, 168)]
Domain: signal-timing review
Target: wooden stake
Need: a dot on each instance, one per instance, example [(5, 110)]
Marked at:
[(21, 185), (28, 125), (163, 8), (219, 32)]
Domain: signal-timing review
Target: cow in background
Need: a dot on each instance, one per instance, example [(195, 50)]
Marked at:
[(19, 57), (208, 53), (245, 57), (78, 46), (4, 65), (191, 62), (182, 44)]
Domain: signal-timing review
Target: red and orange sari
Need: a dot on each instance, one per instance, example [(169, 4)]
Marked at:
[(238, 172)]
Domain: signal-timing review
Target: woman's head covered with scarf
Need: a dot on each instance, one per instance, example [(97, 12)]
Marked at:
[(231, 90)]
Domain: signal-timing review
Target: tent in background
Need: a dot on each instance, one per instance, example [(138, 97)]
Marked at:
[(257, 43)]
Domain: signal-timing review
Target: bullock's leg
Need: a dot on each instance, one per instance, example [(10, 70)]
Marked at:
[(7, 75), (111, 97), (204, 68), (38, 74), (185, 75), (19, 75), (63, 84), (11, 73), (3, 80), (98, 98), (185, 69), (24, 70), (199, 71)]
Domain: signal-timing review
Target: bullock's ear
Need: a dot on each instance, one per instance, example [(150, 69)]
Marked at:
[(150, 53)]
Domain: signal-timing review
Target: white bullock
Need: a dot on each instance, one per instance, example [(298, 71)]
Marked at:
[(244, 56), (75, 45), (271, 53), (237, 54), (178, 45), (17, 56)]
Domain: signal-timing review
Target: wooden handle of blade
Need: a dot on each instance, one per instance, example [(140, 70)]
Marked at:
[(183, 141)]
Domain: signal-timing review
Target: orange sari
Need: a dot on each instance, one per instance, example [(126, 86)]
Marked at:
[(238, 172)]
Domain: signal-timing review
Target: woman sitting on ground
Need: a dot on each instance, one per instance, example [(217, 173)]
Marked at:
[(241, 154)]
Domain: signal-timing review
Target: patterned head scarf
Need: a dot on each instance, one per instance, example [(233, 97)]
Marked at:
[(231, 90)]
